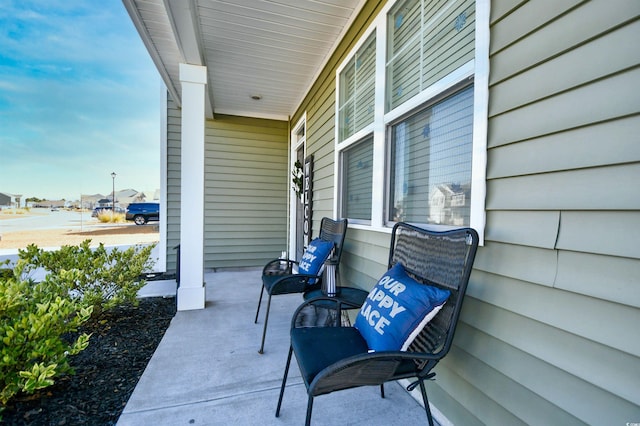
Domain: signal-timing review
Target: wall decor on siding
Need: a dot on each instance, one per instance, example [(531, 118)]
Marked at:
[(308, 192), (297, 180)]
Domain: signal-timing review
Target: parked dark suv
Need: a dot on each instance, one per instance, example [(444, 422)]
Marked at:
[(141, 213)]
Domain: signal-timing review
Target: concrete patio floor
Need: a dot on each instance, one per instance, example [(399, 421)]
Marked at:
[(207, 370)]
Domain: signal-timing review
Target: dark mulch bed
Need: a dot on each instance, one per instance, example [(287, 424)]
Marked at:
[(106, 373)]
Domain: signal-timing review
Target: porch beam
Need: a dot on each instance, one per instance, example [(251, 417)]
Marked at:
[(191, 293), (183, 17)]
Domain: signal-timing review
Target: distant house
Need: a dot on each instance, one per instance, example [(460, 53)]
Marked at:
[(46, 204), (128, 196), (57, 203), (104, 202), (448, 204), (90, 201), (10, 200), (123, 199)]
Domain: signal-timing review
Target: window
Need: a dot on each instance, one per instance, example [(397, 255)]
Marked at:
[(430, 163), (357, 89), (299, 133), (412, 101), (403, 52), (357, 181), (425, 43)]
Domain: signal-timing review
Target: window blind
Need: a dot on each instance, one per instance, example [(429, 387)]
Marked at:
[(358, 180), (427, 40), (357, 90)]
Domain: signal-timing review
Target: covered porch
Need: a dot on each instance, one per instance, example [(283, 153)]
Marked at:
[(237, 78), (253, 88), (207, 370)]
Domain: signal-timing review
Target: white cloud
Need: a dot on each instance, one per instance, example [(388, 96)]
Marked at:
[(78, 94)]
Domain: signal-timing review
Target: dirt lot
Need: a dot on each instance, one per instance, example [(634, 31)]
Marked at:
[(108, 234)]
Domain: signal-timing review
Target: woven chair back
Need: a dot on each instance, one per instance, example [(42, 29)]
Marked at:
[(442, 259)]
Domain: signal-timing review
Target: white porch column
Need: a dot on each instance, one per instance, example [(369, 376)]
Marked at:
[(191, 293)]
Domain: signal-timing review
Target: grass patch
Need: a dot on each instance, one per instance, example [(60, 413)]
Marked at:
[(15, 211)]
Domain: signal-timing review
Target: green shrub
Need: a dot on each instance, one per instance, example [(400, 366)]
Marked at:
[(6, 273), (34, 318), (102, 278)]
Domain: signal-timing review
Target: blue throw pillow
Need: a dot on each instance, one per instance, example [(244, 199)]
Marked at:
[(397, 309), (314, 256)]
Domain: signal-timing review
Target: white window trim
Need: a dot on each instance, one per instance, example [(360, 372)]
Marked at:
[(294, 146), (480, 119), (477, 68), (340, 167), (364, 132)]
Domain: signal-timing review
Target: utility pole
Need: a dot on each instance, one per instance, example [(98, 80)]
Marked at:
[(113, 195)]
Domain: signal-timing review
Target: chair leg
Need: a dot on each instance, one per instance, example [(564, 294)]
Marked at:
[(307, 422), (259, 303), (266, 321), (284, 381), (382, 390), (426, 402)]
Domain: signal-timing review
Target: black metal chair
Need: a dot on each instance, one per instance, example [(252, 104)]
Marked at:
[(333, 357), (278, 275)]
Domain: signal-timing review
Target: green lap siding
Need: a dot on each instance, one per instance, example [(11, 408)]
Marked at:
[(245, 218), (246, 183), (549, 329), (548, 333), (173, 182)]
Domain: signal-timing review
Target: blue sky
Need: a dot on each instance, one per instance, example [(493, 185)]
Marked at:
[(79, 99)]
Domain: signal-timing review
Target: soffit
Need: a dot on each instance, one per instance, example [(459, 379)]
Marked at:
[(273, 49)]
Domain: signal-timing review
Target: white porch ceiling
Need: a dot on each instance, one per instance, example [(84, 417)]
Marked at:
[(272, 49)]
